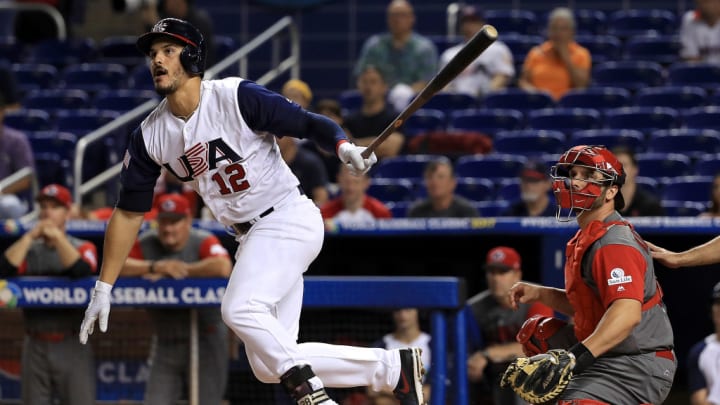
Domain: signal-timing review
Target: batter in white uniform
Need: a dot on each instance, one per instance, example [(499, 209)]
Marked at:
[(218, 136)]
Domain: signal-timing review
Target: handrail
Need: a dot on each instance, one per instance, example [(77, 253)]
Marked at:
[(48, 9), (17, 176), (240, 57)]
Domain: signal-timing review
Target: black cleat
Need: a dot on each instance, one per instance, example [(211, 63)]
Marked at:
[(409, 389)]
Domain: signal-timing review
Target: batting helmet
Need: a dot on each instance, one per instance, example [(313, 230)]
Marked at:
[(193, 54)]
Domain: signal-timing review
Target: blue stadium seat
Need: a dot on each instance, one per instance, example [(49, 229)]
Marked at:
[(702, 117), (649, 184), (566, 120), (518, 99), (53, 169), (120, 49), (678, 97), (122, 100), (394, 189), (63, 53), (94, 77), (694, 74), (596, 97), (714, 99), (685, 140), (509, 190), (53, 100), (683, 208), (447, 102), (493, 166), (11, 50), (631, 75), (82, 122), (688, 188), (513, 20), (529, 142), (34, 76), (350, 100), (590, 21), (634, 22), (399, 209), (403, 167), (602, 48), (664, 164), (491, 208), (707, 165), (520, 45), (663, 49), (61, 143), (475, 189), (140, 78), (641, 118), (29, 120), (486, 120), (224, 46), (424, 120), (610, 138)]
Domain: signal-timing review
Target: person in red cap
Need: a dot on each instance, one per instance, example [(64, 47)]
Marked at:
[(51, 351), (535, 188), (493, 326), (177, 250), (624, 353)]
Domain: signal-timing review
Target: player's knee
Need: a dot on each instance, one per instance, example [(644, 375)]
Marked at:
[(263, 374)]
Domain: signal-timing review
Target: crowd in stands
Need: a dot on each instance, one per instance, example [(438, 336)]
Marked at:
[(521, 102)]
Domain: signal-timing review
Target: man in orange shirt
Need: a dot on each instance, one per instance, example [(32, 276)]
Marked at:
[(559, 64)]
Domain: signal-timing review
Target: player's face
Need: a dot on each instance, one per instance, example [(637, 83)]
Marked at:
[(400, 18), (54, 212), (371, 85), (405, 318), (533, 190), (174, 232), (560, 30), (352, 187), (165, 67), (440, 183), (500, 281)]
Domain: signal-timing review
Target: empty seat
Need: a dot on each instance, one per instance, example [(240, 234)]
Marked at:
[(387, 190), (224, 46), (513, 20), (634, 22), (610, 138), (685, 140), (707, 165), (596, 97), (602, 48), (53, 100), (475, 189), (679, 97), (122, 100), (447, 102), (424, 120), (683, 208), (29, 120), (641, 118), (486, 120), (564, 119), (509, 190), (702, 117), (61, 143), (663, 49), (51, 169), (34, 76), (520, 45), (518, 99), (120, 49), (494, 165), (11, 50), (81, 122), (140, 78), (590, 21), (491, 208), (404, 166), (63, 53), (688, 188), (664, 164), (529, 142), (631, 75), (694, 74), (399, 209), (94, 77)]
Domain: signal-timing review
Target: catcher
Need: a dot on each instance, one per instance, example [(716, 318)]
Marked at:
[(624, 350)]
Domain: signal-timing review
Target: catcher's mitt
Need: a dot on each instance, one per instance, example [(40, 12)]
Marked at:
[(540, 378)]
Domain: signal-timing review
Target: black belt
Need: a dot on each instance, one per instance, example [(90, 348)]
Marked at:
[(244, 227)]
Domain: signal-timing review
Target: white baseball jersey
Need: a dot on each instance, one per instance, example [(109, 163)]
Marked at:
[(476, 78), (226, 151), (698, 39)]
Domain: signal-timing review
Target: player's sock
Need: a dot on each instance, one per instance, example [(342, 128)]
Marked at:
[(305, 387)]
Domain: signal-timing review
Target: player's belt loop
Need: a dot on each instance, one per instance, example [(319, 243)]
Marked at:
[(244, 227)]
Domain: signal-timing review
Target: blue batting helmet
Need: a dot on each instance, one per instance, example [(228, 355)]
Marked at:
[(193, 54)]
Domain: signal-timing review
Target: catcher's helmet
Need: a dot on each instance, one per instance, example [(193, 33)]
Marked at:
[(594, 157), (193, 54)]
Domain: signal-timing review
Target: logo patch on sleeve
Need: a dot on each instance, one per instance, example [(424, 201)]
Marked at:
[(617, 276)]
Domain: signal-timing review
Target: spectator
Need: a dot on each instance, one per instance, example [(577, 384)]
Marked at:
[(406, 333), (535, 188), (54, 363), (440, 182), (407, 58), (638, 201), (375, 115), (307, 167), (155, 10), (703, 359), (353, 205), (700, 33), (176, 250), (492, 70), (494, 325), (331, 109), (714, 207), (559, 64), (298, 91), (15, 154)]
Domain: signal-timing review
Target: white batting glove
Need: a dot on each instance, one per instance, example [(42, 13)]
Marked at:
[(350, 155), (98, 310)]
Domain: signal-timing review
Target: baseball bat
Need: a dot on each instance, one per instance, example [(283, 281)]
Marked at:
[(479, 43)]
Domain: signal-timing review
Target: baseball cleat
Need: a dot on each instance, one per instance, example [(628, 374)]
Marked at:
[(409, 389)]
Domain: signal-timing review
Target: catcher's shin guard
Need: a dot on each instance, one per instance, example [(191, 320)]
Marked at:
[(298, 383)]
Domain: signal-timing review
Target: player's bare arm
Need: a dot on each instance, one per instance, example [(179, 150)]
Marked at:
[(555, 298), (617, 323), (217, 266), (120, 235), (707, 253)]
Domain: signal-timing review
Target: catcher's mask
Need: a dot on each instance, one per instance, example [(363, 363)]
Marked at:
[(597, 158)]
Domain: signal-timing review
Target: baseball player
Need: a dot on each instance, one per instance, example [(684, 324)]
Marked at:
[(625, 350), (54, 364), (703, 364), (218, 136), (175, 249)]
